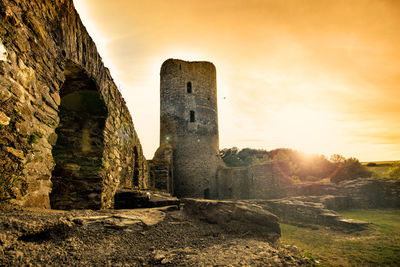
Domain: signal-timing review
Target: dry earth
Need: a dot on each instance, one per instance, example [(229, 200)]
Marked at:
[(140, 237)]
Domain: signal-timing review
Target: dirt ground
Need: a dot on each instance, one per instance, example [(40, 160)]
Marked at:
[(142, 237)]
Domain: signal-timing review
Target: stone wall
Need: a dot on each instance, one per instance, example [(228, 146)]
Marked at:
[(263, 181), (189, 123), (64, 126), (308, 210), (361, 193), (368, 193), (161, 168), (234, 183)]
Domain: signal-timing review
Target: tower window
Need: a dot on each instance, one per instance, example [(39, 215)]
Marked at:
[(189, 87), (192, 118)]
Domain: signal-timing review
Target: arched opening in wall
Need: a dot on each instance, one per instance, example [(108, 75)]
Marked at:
[(136, 167), (189, 87), (76, 178)]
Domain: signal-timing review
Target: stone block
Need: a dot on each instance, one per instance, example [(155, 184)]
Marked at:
[(235, 216), (17, 153), (4, 119)]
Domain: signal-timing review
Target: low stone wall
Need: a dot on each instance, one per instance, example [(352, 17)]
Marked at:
[(308, 211), (161, 169), (371, 193), (265, 181), (233, 183), (160, 175), (361, 193), (64, 126), (261, 181)]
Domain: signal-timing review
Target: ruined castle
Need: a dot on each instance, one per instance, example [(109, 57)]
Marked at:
[(67, 140), (66, 136), (189, 123)]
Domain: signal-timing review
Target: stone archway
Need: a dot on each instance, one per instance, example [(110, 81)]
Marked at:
[(77, 181)]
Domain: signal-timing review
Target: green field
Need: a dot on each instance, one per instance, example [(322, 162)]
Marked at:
[(381, 169), (378, 246)]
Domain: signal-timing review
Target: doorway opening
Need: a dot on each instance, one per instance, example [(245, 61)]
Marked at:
[(76, 178)]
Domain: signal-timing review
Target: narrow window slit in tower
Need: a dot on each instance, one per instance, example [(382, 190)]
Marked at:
[(192, 118), (189, 87)]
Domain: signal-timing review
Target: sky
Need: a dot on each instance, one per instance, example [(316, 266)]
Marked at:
[(319, 76)]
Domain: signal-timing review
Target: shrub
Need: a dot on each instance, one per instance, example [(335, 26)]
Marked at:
[(394, 172), (350, 169), (245, 157)]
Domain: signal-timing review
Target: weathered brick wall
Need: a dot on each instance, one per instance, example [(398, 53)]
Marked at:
[(195, 144), (44, 49), (234, 183), (370, 193), (263, 181), (268, 181), (161, 168)]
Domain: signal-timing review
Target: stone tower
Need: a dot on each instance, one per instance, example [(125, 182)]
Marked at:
[(189, 123)]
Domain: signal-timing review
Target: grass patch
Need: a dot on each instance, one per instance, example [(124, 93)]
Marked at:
[(383, 169), (379, 246), (382, 163), (380, 171)]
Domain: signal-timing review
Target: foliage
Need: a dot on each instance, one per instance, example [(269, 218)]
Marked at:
[(298, 166), (350, 168), (306, 168), (394, 172), (378, 246), (336, 158), (382, 169), (245, 157)]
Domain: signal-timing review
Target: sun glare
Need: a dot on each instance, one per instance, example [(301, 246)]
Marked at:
[(305, 129), (286, 79)]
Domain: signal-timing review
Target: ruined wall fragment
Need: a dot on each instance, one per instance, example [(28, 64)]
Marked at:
[(45, 45)]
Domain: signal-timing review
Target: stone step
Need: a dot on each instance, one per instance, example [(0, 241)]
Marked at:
[(132, 199), (351, 224)]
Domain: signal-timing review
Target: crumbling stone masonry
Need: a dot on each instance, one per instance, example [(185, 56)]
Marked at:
[(260, 181), (161, 168), (189, 123), (66, 135)]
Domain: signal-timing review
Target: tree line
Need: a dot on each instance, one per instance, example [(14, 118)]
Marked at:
[(297, 165)]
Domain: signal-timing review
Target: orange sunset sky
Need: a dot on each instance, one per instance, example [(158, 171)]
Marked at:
[(320, 76)]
